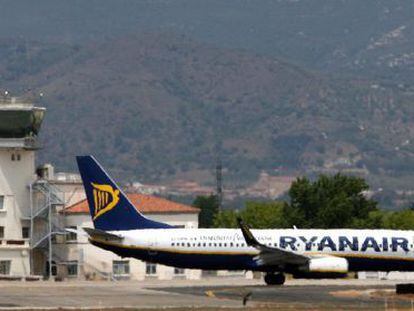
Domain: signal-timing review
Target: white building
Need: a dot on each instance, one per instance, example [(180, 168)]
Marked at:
[(82, 260), (19, 126)]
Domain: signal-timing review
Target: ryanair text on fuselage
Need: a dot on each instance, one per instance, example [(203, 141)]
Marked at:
[(310, 243)]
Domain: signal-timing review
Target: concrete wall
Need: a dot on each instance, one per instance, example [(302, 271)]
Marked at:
[(72, 192), (15, 178)]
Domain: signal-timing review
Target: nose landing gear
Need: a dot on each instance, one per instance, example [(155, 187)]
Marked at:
[(274, 278)]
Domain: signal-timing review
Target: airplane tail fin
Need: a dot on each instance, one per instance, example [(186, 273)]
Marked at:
[(109, 207)]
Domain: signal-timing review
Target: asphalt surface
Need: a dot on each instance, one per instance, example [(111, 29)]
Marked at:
[(207, 294)]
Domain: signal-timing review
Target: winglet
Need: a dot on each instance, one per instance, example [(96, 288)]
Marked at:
[(247, 234)]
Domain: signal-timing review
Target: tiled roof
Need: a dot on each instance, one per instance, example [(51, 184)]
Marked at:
[(146, 204)]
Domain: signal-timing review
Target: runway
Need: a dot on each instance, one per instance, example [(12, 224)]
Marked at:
[(206, 294)]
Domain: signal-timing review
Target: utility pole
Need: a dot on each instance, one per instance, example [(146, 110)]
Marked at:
[(219, 183)]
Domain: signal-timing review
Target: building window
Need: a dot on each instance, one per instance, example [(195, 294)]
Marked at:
[(2, 206), (25, 232), (71, 236), (13, 157), (120, 267), (179, 271), (1, 232), (5, 267), (18, 157), (151, 268), (72, 267)]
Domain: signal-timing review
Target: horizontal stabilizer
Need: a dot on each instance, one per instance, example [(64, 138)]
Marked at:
[(97, 234), (76, 231)]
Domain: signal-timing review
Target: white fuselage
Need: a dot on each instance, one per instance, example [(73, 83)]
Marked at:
[(226, 248)]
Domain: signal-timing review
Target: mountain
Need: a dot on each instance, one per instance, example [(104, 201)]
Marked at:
[(158, 89), (156, 105)]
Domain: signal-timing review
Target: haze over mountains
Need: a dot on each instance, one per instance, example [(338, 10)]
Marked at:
[(159, 88)]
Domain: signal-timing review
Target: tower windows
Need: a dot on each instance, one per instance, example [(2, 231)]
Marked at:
[(25, 232), (5, 267), (16, 157)]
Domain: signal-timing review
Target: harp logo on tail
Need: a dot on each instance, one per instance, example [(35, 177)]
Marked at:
[(105, 198)]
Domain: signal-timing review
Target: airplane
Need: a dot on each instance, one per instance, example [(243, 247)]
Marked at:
[(120, 228)]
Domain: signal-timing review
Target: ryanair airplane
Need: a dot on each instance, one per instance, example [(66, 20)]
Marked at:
[(120, 228)]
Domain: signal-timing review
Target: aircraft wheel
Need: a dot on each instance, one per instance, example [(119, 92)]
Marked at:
[(275, 278)]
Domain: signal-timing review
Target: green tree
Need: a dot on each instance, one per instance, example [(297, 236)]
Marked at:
[(259, 215), (329, 202), (208, 206), (402, 220), (226, 219), (262, 215)]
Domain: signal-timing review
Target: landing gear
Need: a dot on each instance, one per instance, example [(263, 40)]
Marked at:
[(274, 278)]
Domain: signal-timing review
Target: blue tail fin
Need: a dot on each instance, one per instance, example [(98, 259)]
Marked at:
[(109, 207)]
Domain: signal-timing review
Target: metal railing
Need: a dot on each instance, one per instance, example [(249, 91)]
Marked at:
[(45, 223)]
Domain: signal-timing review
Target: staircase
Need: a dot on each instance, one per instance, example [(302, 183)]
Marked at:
[(45, 221)]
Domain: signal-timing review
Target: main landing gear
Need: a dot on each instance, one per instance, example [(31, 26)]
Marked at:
[(274, 278)]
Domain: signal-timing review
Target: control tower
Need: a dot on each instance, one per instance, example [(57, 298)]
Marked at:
[(20, 123)]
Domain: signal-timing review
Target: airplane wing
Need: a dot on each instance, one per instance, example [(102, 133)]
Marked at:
[(271, 255), (97, 234)]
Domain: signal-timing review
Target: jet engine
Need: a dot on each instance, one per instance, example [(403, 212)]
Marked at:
[(323, 267), (328, 264)]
